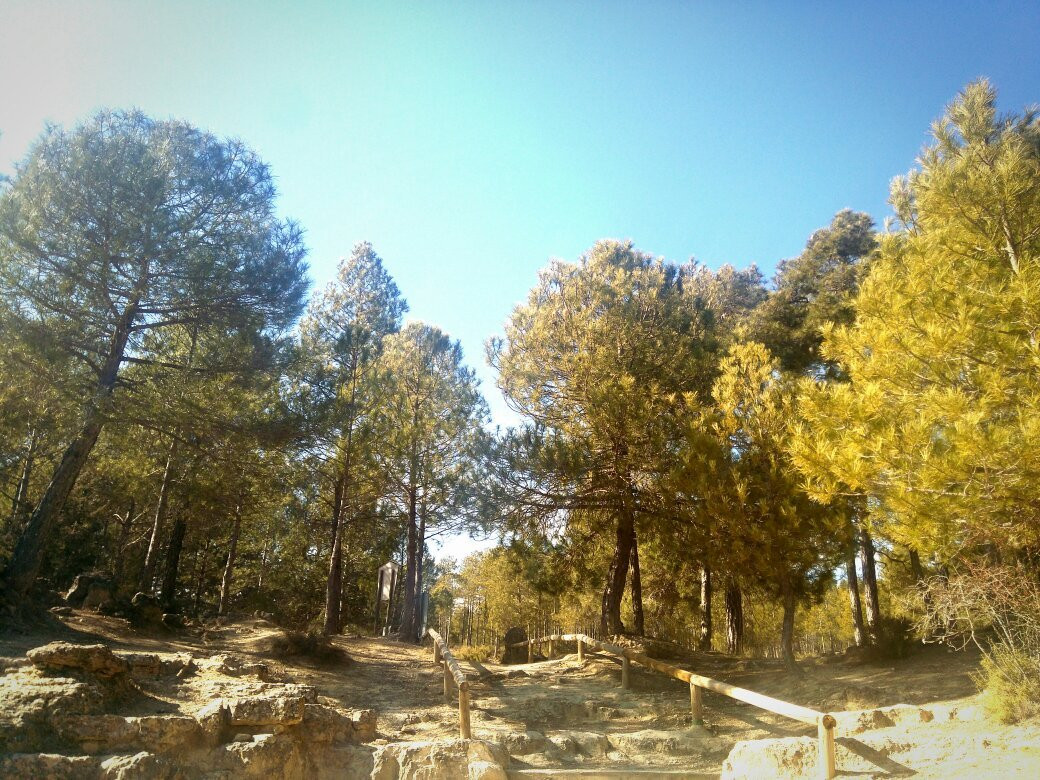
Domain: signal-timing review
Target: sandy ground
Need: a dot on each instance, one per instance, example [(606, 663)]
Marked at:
[(561, 701)]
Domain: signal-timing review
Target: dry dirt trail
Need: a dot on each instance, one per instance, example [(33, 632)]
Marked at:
[(213, 704)]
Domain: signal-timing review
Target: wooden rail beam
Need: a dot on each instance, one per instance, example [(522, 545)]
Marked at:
[(824, 722)]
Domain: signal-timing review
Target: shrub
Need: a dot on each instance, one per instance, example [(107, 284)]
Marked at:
[(1010, 683), (311, 645), (472, 652), (998, 609)]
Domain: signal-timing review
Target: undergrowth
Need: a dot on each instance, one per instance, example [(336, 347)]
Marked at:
[(311, 645)]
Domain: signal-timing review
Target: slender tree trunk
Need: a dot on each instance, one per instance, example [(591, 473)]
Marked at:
[(200, 579), (637, 590), (870, 589), (408, 611), (28, 552), (118, 554), (787, 634), (20, 504), (734, 618), (617, 575), (229, 565), (151, 558), (168, 593), (704, 642), (334, 583), (417, 597), (852, 582)]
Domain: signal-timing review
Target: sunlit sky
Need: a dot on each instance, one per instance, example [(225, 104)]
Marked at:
[(470, 142)]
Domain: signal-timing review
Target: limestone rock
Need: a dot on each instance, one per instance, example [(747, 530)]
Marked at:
[(436, 760), (651, 741), (140, 766), (79, 593), (146, 610), (266, 756), (93, 659), (485, 770), (113, 733), (142, 664), (522, 744), (29, 704), (267, 710), (794, 758), (364, 723), (47, 766), (585, 742)]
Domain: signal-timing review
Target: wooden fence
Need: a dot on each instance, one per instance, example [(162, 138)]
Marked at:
[(823, 721), (452, 671)]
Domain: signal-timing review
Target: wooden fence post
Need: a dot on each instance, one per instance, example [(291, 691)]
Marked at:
[(581, 652), (436, 653), (551, 648), (696, 705), (530, 650), (447, 681), (625, 664), (828, 759), (464, 731)]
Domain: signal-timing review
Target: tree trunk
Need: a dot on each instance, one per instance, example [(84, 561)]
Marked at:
[(704, 642), (118, 554), (151, 558), (417, 596), (734, 618), (637, 590), (168, 593), (870, 589), (408, 610), (201, 578), (28, 552), (852, 582), (334, 583), (20, 504), (617, 576), (229, 566), (787, 634)]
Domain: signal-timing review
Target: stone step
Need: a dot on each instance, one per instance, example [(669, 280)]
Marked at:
[(609, 773)]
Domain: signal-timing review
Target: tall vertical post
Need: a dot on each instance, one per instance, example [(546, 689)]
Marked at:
[(551, 648), (827, 760), (436, 652), (581, 652), (530, 650), (464, 731), (696, 705), (625, 664), (447, 681)]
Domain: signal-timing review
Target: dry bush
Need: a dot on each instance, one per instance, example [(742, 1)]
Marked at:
[(996, 607), (310, 645), (478, 653)]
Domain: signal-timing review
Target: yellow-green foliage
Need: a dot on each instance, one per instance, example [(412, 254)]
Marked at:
[(940, 421), (1010, 683)]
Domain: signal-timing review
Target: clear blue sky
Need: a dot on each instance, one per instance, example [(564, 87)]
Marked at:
[(470, 142)]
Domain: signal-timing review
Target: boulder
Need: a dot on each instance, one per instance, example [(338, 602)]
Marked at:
[(514, 655), (793, 757), (142, 664), (140, 766), (81, 586), (214, 720), (266, 756), (92, 659), (586, 743), (145, 610), (485, 770), (437, 760), (99, 595), (114, 733), (267, 710), (525, 743), (364, 723)]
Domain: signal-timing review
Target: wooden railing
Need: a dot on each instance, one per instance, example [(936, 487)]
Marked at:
[(823, 721), (452, 671)]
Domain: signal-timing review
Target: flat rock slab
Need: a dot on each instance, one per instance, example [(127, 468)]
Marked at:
[(92, 659)]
